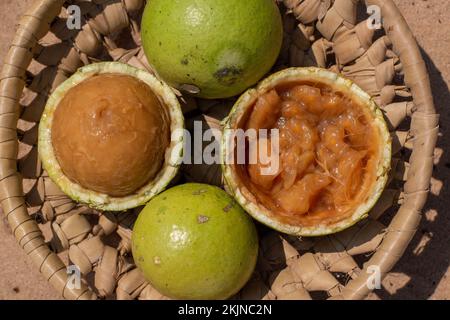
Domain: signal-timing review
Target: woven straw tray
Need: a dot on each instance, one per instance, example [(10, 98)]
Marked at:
[(56, 232)]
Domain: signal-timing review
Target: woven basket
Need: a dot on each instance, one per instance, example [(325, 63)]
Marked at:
[(56, 232)]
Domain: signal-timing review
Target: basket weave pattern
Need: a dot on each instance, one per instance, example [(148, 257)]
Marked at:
[(55, 232)]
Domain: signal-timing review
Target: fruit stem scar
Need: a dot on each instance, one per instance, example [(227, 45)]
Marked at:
[(156, 260)]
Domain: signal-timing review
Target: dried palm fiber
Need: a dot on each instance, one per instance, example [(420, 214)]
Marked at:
[(45, 52)]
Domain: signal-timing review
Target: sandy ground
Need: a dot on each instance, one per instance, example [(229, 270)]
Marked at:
[(423, 271)]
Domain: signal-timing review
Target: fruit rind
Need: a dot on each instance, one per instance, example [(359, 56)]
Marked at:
[(244, 196), (98, 200)]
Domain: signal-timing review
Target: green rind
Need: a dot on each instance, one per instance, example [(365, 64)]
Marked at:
[(244, 197), (95, 199)]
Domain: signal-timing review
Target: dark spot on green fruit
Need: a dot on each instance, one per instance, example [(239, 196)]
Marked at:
[(228, 76), (202, 219), (199, 192), (160, 43), (228, 207), (185, 61)]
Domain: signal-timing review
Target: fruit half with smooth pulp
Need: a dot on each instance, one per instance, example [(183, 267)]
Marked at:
[(212, 49), (330, 161), (105, 136)]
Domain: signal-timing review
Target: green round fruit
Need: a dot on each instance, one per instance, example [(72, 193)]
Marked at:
[(194, 241), (213, 49)]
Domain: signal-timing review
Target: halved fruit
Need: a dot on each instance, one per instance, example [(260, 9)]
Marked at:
[(105, 136), (327, 152)]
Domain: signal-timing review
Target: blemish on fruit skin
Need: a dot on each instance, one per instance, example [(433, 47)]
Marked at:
[(184, 61), (199, 192), (202, 219), (228, 207), (157, 260), (161, 210)]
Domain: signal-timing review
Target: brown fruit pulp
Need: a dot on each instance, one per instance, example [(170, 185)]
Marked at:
[(110, 133), (328, 154)]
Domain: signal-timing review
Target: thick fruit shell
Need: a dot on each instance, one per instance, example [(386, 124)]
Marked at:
[(248, 201), (98, 200)]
